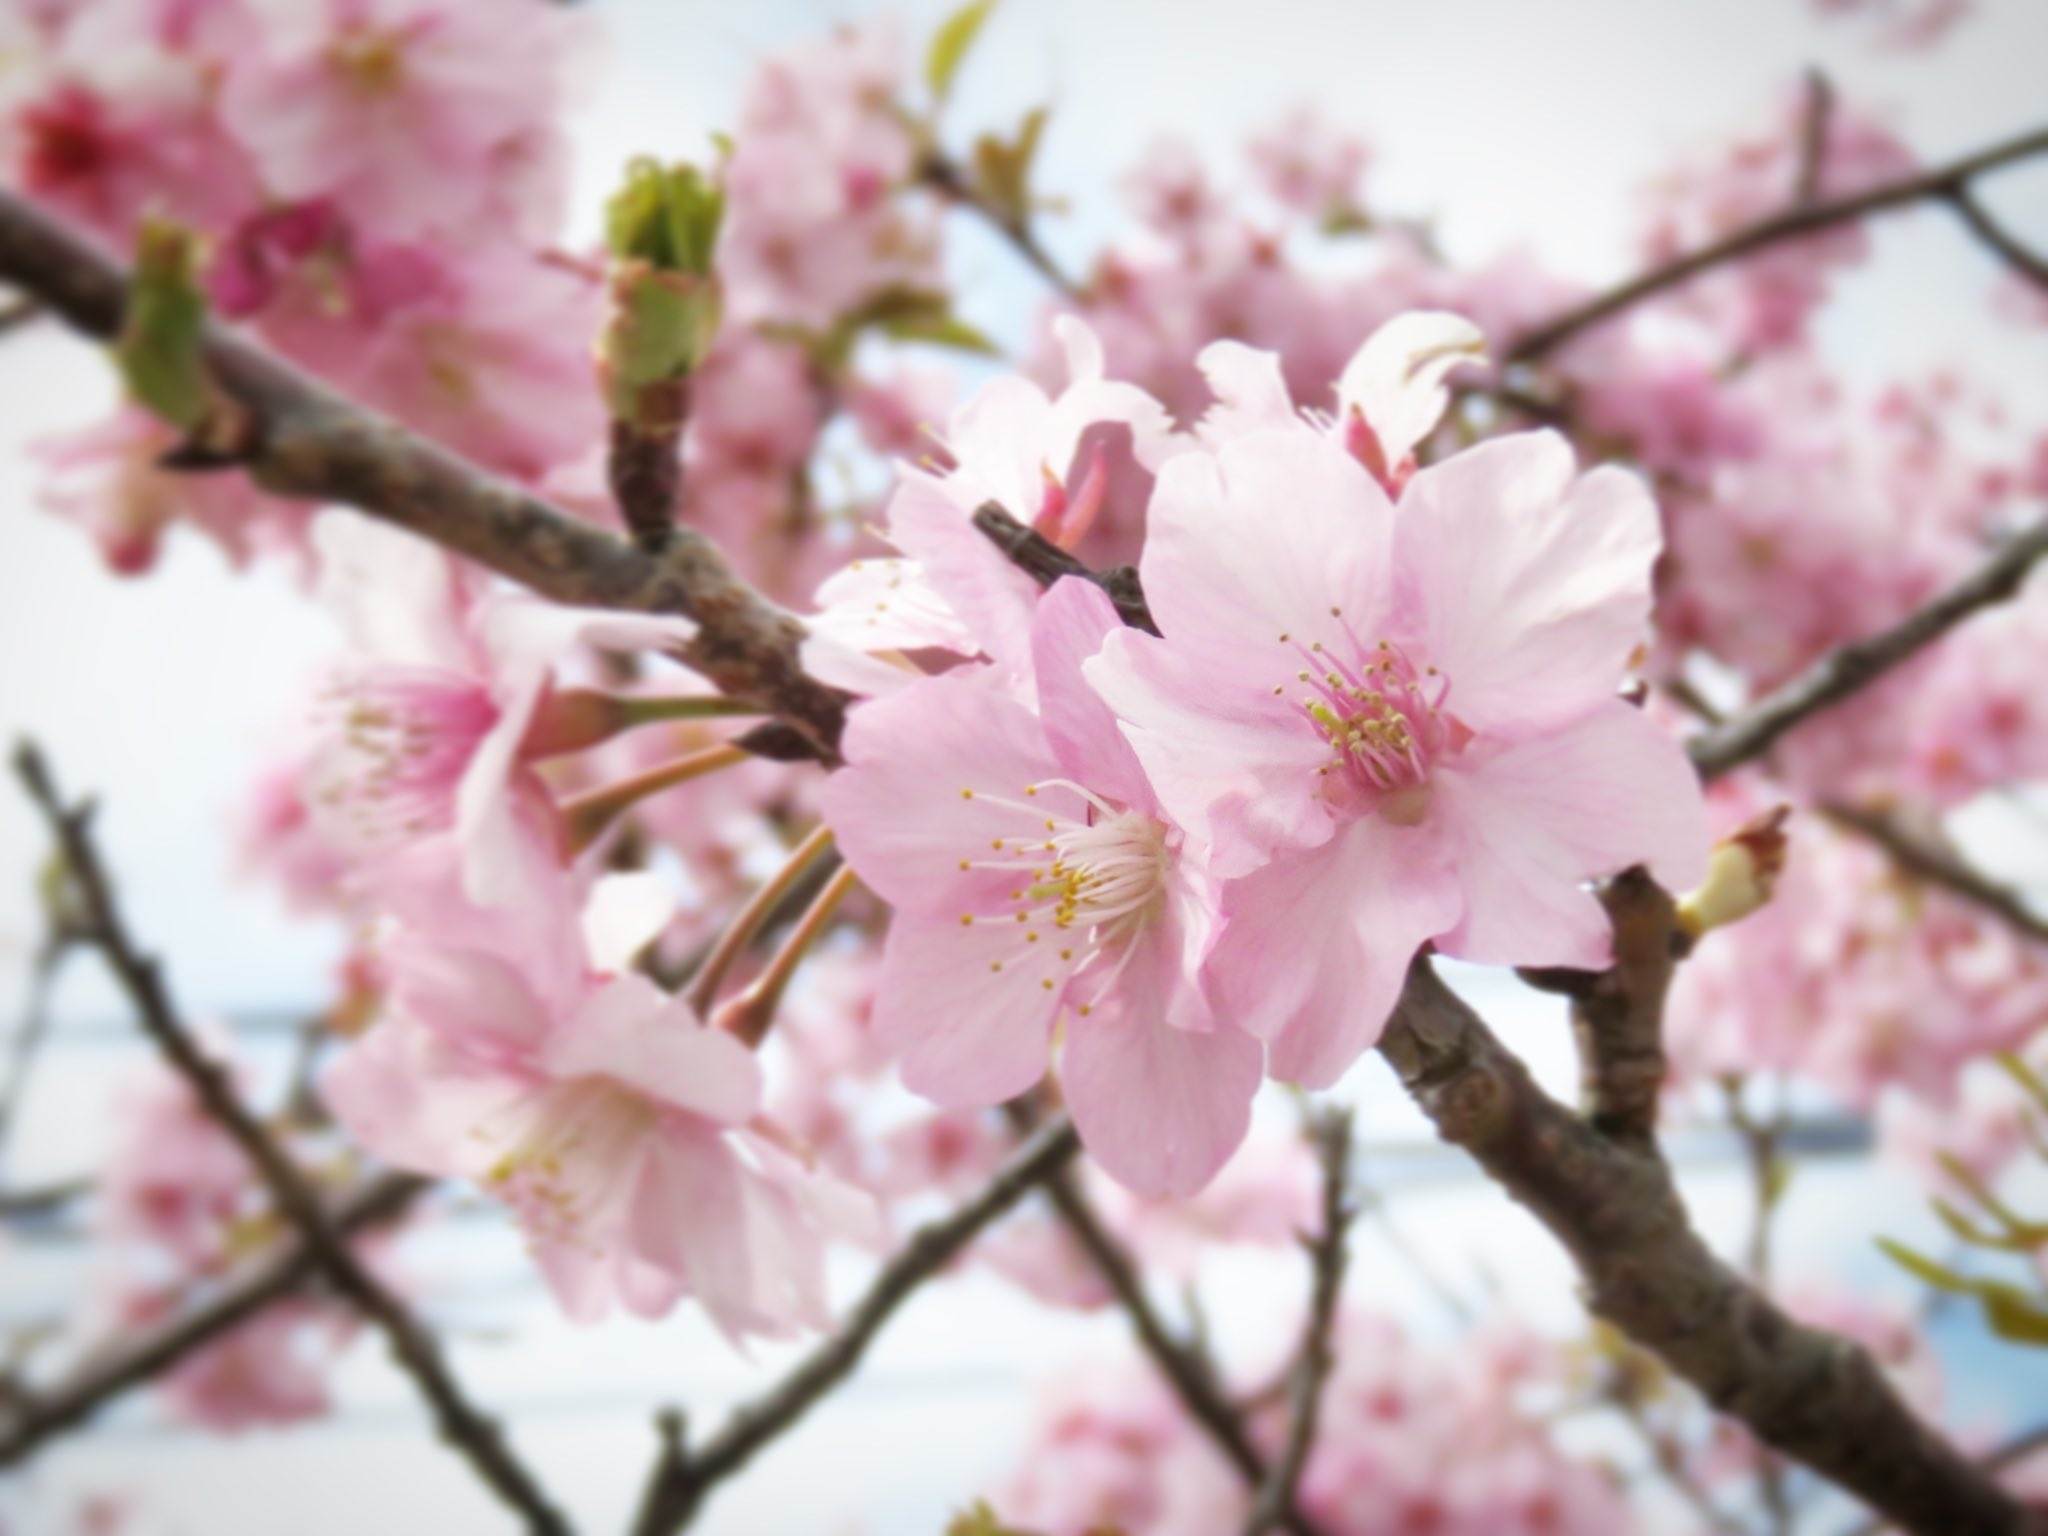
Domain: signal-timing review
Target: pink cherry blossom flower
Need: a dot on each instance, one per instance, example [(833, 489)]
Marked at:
[(1393, 729), (1045, 460), (411, 115), (1390, 396), (869, 615), (811, 228), (272, 1369), (1034, 877), (1310, 167), (437, 726), (107, 478), (618, 1127)]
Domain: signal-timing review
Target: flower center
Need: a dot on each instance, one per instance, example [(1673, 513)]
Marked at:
[(402, 739), (372, 63), (1087, 884), (570, 1144), (1384, 719)]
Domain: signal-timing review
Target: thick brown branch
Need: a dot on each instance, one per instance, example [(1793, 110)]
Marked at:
[(1315, 1356), (473, 1435), (137, 1360), (1610, 1200), (682, 1478), (1941, 182), (1618, 1014), (1612, 1204), (1851, 668), (305, 441)]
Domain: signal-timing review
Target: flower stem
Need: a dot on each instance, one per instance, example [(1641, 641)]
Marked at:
[(587, 816), (750, 1014), (753, 917)]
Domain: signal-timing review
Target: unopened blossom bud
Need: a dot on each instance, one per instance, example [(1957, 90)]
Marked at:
[(1742, 871), (159, 350), (666, 300)]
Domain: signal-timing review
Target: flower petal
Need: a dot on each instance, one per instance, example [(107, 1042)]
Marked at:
[(630, 1032), (1532, 589), (935, 773), (972, 1034), (1533, 822), (1315, 948), (1160, 1108)]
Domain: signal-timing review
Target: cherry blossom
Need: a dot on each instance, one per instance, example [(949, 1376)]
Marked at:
[(1353, 705), (1034, 876)]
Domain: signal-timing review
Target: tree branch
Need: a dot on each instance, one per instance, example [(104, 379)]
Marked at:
[(1928, 861), (306, 441), (1187, 1369), (1998, 238), (475, 1436), (137, 1361), (944, 176), (1610, 1200), (1314, 1357), (1612, 1204), (1813, 138), (1045, 563), (1850, 668), (681, 1478), (1942, 182), (1618, 1014)]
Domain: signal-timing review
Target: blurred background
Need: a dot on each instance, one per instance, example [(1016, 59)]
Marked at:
[(1507, 124)]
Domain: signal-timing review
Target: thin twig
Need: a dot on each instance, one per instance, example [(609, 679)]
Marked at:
[(1045, 563), (1789, 225), (1995, 235), (33, 1029), (1315, 1356), (135, 1360), (1851, 668), (682, 1478), (1813, 138), (1937, 865), (1618, 1013), (1190, 1373), (946, 177), (476, 1437)]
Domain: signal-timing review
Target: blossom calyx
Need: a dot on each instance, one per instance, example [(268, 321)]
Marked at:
[(1742, 871)]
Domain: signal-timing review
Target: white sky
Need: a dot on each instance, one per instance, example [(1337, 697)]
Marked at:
[(1515, 122)]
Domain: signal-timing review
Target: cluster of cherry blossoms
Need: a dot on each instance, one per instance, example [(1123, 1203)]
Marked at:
[(1416, 1438), (1380, 619), (1381, 710)]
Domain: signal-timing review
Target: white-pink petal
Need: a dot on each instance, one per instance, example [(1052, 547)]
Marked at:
[(1531, 590), (1160, 1109), (1533, 822)]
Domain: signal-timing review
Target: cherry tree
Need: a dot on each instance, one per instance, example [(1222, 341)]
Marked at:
[(787, 806)]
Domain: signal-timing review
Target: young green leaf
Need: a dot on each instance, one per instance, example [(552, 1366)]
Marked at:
[(950, 44)]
